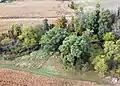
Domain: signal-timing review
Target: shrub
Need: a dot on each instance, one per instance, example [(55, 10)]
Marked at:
[(21, 40), (71, 5), (53, 38), (45, 25), (111, 50), (105, 22), (109, 37), (94, 38), (75, 51), (118, 42), (110, 60), (30, 36), (7, 39), (61, 23), (100, 64), (91, 21), (15, 31)]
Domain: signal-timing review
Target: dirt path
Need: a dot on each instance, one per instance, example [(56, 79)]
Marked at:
[(16, 78)]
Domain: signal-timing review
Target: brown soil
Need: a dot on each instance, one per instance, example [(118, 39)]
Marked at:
[(17, 78)]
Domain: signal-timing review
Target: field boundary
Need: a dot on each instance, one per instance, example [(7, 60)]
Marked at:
[(34, 17)]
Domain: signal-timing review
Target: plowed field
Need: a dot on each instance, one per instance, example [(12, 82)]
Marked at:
[(17, 78)]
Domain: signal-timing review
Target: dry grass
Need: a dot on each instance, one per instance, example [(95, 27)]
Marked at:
[(30, 9), (6, 24)]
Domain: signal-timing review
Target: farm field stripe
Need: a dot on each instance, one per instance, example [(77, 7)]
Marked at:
[(22, 17)]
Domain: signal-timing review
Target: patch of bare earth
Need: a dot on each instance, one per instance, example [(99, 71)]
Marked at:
[(17, 78)]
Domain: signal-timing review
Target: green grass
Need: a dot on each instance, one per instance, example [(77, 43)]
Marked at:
[(49, 69), (30, 63)]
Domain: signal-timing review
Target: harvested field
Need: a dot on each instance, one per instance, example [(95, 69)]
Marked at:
[(17, 78), (32, 8), (5, 24), (25, 12), (39, 8)]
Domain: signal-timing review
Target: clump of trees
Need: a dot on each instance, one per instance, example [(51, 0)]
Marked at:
[(75, 51), (21, 40), (54, 38), (88, 42)]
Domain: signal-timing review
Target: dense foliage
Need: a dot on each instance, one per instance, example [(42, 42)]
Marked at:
[(53, 38), (90, 41), (30, 36), (110, 60), (109, 37), (101, 26), (21, 40), (98, 21), (75, 51)]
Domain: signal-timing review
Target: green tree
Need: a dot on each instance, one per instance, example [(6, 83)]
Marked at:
[(118, 42), (105, 22), (30, 36), (111, 50), (75, 51), (100, 64), (53, 38), (110, 59)]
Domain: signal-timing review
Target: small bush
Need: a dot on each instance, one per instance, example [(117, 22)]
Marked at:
[(109, 37), (6, 40), (61, 23), (21, 40), (100, 64), (30, 36), (110, 59)]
